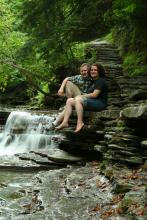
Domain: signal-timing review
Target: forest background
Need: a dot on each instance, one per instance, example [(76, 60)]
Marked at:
[(42, 41)]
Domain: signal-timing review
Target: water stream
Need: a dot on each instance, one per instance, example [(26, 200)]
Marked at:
[(24, 132)]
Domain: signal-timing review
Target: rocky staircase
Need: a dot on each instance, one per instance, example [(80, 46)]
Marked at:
[(108, 55), (119, 132)]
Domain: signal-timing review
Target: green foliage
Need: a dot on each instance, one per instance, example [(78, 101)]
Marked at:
[(78, 50), (104, 165), (42, 36), (127, 21), (120, 126), (3, 81), (125, 204), (134, 65), (40, 96), (109, 38), (123, 10), (55, 34), (46, 87), (10, 41)]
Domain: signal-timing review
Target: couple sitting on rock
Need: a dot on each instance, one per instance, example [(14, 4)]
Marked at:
[(87, 91)]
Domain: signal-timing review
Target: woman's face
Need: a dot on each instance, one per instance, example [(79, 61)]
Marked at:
[(94, 72)]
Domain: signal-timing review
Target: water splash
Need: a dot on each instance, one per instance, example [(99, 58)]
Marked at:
[(24, 132)]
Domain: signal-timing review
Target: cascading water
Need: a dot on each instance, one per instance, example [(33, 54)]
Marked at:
[(25, 132)]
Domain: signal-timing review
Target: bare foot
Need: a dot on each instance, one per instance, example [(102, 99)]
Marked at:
[(79, 128), (61, 126)]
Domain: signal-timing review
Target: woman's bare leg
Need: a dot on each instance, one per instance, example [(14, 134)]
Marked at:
[(79, 110), (68, 111)]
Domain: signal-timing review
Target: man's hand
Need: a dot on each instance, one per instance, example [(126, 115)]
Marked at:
[(61, 92), (61, 89)]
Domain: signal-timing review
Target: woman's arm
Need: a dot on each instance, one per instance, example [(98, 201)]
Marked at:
[(93, 94)]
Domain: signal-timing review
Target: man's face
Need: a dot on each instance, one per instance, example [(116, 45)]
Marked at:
[(84, 71)]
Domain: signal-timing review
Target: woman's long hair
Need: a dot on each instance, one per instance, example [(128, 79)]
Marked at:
[(100, 69)]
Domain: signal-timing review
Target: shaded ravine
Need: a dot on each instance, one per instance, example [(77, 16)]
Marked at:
[(69, 187)]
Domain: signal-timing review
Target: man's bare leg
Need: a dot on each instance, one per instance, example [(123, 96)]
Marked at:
[(71, 90), (68, 111)]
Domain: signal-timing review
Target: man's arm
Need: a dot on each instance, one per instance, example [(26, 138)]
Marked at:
[(62, 87)]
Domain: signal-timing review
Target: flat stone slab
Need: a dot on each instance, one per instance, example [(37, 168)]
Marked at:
[(28, 162), (106, 114), (14, 163), (39, 159), (64, 157)]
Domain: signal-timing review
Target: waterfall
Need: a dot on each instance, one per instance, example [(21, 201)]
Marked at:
[(24, 132)]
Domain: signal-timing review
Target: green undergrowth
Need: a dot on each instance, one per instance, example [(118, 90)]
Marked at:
[(134, 63)]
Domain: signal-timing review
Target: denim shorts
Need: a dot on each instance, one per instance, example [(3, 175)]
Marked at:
[(93, 104)]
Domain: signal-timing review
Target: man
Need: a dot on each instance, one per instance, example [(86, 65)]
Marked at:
[(72, 87)]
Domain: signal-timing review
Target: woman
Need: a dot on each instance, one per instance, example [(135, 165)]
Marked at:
[(95, 100)]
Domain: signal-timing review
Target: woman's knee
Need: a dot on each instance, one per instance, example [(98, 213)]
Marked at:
[(70, 101)]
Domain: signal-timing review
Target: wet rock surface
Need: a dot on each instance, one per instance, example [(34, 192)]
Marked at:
[(75, 192)]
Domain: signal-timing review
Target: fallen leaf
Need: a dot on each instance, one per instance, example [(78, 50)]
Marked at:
[(133, 177), (95, 209), (108, 213), (34, 199), (140, 212), (117, 198), (119, 211)]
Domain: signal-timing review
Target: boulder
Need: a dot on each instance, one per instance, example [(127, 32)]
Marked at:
[(135, 112)]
